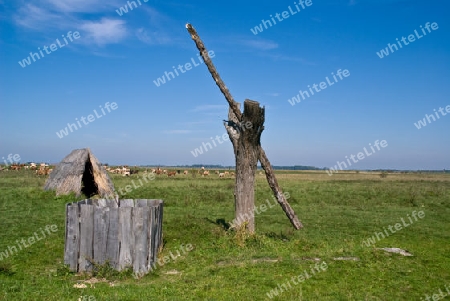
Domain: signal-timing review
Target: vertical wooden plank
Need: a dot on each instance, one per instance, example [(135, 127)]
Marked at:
[(101, 225), (87, 236), (65, 233), (112, 243), (152, 257), (112, 203), (126, 239), (154, 202), (159, 225), (141, 203), (140, 226), (100, 202), (72, 243), (127, 203), (156, 231)]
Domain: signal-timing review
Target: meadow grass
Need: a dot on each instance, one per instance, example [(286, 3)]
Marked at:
[(339, 213)]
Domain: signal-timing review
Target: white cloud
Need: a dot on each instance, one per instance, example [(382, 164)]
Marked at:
[(49, 16), (77, 5), (260, 44), (152, 37), (105, 31), (36, 17), (280, 57)]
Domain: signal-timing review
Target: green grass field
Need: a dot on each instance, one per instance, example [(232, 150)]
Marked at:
[(338, 212)]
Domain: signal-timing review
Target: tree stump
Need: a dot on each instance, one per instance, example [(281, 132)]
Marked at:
[(245, 136)]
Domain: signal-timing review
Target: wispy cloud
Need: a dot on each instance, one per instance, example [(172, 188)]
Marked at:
[(78, 6), (105, 31), (281, 57), (48, 16), (38, 18), (259, 44), (153, 37), (55, 14), (161, 28)]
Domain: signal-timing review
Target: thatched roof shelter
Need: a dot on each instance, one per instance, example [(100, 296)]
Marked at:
[(80, 172)]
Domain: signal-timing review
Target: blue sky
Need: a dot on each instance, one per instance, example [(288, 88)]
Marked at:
[(117, 58)]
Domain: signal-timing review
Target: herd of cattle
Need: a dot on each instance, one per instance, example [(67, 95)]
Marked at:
[(42, 169), (125, 171)]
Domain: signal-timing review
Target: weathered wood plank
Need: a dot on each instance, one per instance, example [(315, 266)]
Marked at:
[(157, 225), (140, 228), (112, 203), (100, 203), (127, 203), (87, 237), (142, 203), (112, 243), (151, 232), (72, 237), (101, 225), (126, 239)]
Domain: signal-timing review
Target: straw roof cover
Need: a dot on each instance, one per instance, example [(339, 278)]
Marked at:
[(80, 172)]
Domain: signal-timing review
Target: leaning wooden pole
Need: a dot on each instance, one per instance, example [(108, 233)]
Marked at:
[(219, 82), (273, 183), (234, 107)]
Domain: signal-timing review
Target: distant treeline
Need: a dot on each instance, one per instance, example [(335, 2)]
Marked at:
[(294, 167)]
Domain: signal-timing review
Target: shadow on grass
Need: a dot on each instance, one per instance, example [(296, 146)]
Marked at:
[(6, 269), (220, 222)]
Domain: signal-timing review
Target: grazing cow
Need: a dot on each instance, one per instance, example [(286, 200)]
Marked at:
[(221, 175), (15, 167), (205, 173), (232, 174), (164, 171), (44, 171), (217, 172), (185, 172), (171, 173), (226, 173)]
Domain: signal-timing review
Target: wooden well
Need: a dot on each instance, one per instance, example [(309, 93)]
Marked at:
[(125, 233)]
